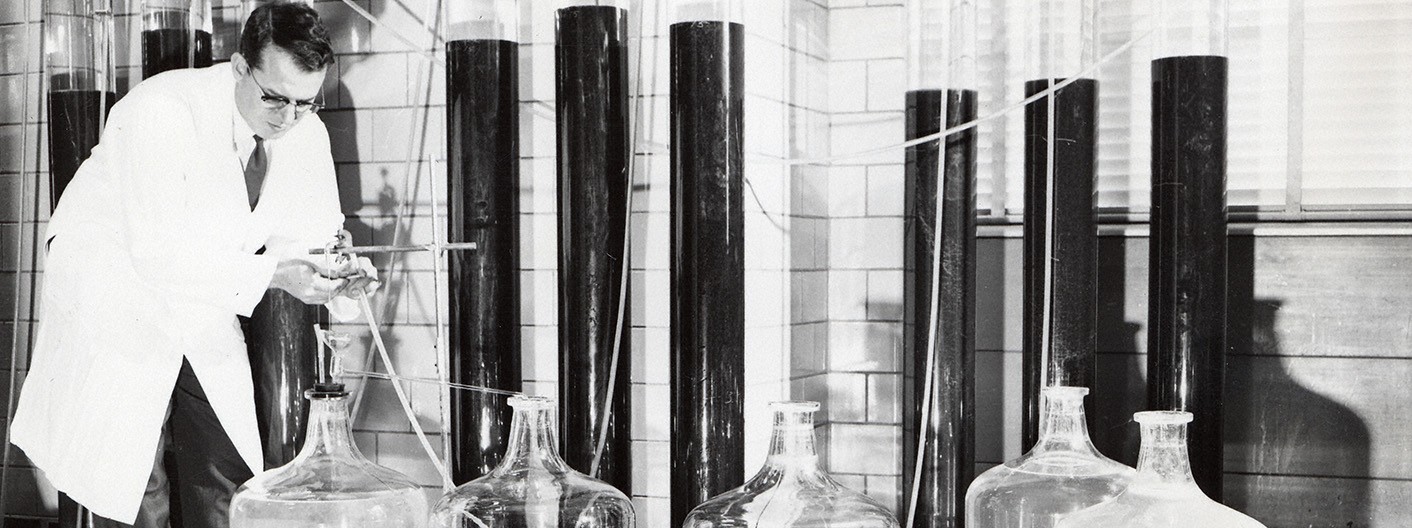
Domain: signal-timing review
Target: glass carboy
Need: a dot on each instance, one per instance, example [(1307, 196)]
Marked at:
[(1164, 494), (329, 484), (790, 491), (532, 487), (1062, 474)]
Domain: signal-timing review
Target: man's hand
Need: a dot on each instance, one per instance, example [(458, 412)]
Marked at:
[(361, 277), (302, 280)]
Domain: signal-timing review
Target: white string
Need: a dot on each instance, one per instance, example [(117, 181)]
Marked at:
[(402, 394), (19, 261), (431, 381), (936, 261), (428, 55), (623, 276), (407, 187), (829, 160)]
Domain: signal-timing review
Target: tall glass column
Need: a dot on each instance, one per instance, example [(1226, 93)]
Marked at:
[(1060, 308), (594, 155), (175, 34), (940, 204), (708, 251), (1186, 336), (78, 39), (483, 185)]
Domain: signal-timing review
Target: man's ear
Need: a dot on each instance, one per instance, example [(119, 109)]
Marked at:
[(238, 62)]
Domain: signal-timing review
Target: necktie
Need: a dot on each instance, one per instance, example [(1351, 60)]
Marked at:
[(255, 172)]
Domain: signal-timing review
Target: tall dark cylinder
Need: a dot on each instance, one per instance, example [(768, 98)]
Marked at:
[(1186, 336), (172, 49), (175, 34), (593, 157), (708, 261), (948, 463), (75, 121), (482, 198), (283, 355), (1069, 246)]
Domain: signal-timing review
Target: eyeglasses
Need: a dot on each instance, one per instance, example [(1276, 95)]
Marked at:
[(278, 102)]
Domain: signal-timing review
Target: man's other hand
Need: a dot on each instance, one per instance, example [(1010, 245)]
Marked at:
[(362, 278), (302, 280)]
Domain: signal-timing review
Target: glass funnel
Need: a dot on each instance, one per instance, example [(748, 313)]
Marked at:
[(1062, 474), (329, 484), (532, 487), (1164, 494), (790, 491)]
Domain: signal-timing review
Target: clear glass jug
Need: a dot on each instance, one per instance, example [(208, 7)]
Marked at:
[(790, 491), (1164, 494), (1062, 474), (329, 484), (532, 487)]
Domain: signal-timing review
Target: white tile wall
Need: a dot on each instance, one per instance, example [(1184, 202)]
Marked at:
[(819, 81)]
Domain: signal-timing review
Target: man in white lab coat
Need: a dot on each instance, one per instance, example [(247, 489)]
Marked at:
[(207, 188)]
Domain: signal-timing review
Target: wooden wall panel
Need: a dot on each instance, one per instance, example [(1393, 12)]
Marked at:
[(1319, 386), (1300, 502)]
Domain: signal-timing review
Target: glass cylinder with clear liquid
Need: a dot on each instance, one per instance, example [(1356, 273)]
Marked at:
[(329, 484), (533, 487), (1163, 494), (790, 491), (1062, 474)]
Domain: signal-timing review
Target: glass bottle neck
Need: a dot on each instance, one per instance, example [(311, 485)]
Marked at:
[(1064, 425), (533, 443), (330, 432), (792, 442), (1163, 458)]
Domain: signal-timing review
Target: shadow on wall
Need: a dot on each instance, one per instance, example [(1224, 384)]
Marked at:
[(1282, 440), (1120, 387), (1278, 432)]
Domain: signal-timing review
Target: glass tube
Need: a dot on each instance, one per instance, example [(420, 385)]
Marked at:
[(175, 34), (1060, 239), (78, 69), (482, 20), (1188, 246), (593, 155), (941, 50), (483, 181), (708, 10), (939, 191), (1190, 27), (708, 255)]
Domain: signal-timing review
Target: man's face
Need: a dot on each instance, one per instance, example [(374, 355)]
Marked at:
[(270, 97)]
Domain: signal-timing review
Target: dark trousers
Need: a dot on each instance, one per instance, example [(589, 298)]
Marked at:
[(196, 471)]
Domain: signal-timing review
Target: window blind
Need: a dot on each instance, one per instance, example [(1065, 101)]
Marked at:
[(1319, 115)]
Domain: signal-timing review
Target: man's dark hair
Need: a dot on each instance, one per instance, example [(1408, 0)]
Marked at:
[(292, 26)]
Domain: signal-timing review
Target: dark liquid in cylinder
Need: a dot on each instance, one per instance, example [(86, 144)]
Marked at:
[(483, 188), (170, 49), (75, 118)]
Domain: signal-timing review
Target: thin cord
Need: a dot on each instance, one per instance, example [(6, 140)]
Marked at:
[(407, 187), (623, 276), (829, 160), (402, 394), (933, 310), (430, 381), (443, 348), (19, 263), (428, 55), (931, 340)]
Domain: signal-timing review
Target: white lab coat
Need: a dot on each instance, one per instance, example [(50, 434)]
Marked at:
[(153, 256)]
